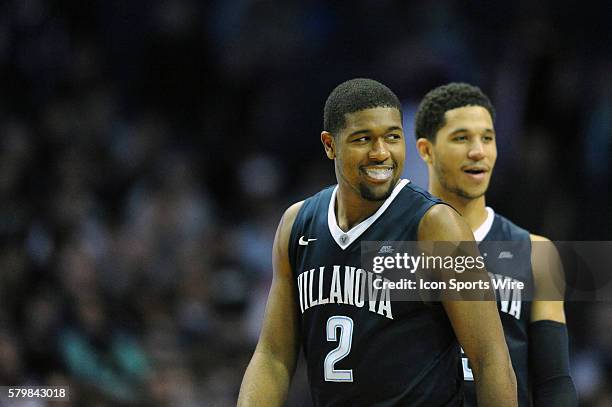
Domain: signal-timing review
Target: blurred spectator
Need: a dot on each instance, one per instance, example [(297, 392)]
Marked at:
[(11, 364), (100, 356)]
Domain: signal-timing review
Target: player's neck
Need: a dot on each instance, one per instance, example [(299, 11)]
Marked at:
[(351, 208), (472, 210)]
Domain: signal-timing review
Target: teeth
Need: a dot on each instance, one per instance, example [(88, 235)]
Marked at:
[(379, 173)]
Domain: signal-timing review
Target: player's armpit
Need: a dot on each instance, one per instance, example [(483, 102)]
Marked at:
[(268, 376), (476, 323), (548, 279)]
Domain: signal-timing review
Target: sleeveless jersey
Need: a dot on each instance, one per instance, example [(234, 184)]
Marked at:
[(368, 352), (508, 260)]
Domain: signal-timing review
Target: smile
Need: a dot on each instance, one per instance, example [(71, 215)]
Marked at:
[(378, 173)]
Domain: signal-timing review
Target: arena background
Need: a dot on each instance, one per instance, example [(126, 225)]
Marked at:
[(149, 149)]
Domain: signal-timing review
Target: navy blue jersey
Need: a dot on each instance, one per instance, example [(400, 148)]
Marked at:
[(508, 260), (368, 352)]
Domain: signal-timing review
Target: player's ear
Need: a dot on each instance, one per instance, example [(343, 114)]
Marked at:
[(424, 147), (329, 144)]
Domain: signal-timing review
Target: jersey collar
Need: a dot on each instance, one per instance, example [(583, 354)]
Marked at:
[(483, 230), (343, 239)]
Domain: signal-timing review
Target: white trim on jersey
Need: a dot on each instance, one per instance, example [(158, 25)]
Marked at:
[(483, 230), (343, 239)]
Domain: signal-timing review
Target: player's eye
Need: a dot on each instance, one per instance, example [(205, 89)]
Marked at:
[(462, 137), (394, 136)]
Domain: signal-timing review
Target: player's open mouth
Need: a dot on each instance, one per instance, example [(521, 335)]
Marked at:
[(378, 173), (476, 172)]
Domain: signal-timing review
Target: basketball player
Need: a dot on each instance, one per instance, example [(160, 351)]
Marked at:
[(456, 138), (373, 352)]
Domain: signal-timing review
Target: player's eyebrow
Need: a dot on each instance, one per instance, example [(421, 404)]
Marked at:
[(366, 131), (464, 130)]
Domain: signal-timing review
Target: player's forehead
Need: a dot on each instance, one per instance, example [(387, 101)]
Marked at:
[(374, 119), (469, 117)]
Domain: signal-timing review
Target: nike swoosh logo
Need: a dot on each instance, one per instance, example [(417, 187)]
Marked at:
[(303, 242)]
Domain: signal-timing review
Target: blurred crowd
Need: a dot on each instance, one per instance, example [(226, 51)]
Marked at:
[(149, 148)]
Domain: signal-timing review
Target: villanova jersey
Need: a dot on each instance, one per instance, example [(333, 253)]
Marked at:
[(368, 351), (508, 260)]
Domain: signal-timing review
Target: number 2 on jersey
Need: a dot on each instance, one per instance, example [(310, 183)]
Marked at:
[(467, 370), (344, 347)]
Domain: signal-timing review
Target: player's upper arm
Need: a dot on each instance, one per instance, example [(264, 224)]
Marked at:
[(548, 279), (279, 332), (476, 323)]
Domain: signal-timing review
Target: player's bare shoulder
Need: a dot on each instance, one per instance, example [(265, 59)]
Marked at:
[(544, 256), (288, 218), (283, 233), (442, 222), (537, 238), (547, 269)]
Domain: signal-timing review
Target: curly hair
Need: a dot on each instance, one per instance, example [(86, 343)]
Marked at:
[(429, 117), (355, 95)]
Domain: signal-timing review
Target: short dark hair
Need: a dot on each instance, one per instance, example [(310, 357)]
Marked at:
[(429, 117), (355, 95)]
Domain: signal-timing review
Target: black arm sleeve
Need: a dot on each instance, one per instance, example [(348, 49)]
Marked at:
[(549, 365)]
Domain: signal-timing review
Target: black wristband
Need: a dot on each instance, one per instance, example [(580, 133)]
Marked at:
[(549, 365)]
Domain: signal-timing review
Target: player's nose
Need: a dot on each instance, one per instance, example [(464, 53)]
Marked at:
[(379, 151), (476, 151)]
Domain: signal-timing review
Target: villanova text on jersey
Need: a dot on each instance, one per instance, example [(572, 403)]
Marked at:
[(361, 348), (508, 249), (349, 285)]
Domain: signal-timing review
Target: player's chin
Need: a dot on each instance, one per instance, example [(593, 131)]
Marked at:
[(376, 192), (474, 193)]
